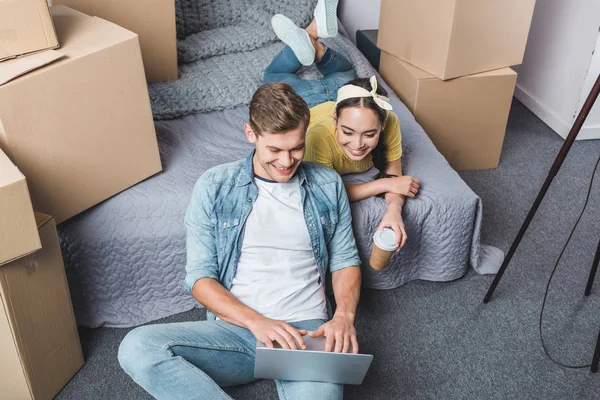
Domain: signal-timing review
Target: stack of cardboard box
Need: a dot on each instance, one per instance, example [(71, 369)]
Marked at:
[(80, 128), (39, 343), (447, 61), (75, 129)]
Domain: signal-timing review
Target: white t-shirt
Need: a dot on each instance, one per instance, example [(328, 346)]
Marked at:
[(277, 274)]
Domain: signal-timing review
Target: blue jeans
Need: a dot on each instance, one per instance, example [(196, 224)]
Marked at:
[(336, 71), (193, 360)]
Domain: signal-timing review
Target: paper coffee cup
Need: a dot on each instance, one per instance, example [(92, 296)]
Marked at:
[(384, 246)]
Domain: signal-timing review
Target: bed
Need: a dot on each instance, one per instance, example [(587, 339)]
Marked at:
[(125, 258)]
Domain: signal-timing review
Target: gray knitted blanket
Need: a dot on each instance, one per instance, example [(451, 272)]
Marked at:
[(224, 47)]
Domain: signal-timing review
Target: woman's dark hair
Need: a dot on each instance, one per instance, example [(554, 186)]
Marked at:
[(380, 151)]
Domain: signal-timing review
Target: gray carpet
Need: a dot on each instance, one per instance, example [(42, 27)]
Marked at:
[(437, 340)]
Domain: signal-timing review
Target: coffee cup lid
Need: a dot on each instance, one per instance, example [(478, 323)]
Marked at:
[(385, 239)]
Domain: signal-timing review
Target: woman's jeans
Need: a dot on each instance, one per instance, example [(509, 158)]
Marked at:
[(193, 360), (336, 71)]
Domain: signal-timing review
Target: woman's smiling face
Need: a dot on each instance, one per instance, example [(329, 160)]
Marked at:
[(358, 130)]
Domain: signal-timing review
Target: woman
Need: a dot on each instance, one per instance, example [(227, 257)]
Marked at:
[(352, 126), (357, 132)]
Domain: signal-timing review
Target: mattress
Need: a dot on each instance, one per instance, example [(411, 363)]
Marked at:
[(125, 258)]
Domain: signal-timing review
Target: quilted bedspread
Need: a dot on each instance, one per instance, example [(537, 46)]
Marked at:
[(223, 48), (125, 258)]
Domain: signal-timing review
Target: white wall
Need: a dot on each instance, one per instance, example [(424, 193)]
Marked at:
[(593, 120), (358, 15), (556, 74)]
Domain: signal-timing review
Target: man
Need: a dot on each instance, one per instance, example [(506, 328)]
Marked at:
[(261, 235)]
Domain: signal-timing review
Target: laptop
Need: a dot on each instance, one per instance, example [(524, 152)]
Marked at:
[(313, 364)]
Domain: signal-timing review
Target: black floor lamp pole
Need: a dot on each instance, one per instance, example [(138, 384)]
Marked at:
[(585, 110), (590, 282)]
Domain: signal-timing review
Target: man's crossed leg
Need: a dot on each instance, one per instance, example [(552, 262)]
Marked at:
[(193, 360)]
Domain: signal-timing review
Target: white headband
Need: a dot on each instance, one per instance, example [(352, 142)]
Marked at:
[(351, 91)]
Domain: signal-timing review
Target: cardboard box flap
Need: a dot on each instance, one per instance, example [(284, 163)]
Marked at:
[(25, 27), (14, 68), (81, 34), (41, 219), (421, 75), (496, 72), (417, 73), (9, 173), (18, 230)]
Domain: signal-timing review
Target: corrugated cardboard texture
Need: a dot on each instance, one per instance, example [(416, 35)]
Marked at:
[(152, 20), (88, 132), (25, 27), (37, 302), (401, 78), (12, 376), (456, 37), (488, 35), (18, 230), (12, 69), (464, 117), (417, 31)]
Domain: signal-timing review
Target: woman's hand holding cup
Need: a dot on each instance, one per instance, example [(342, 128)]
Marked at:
[(384, 246), (393, 220)]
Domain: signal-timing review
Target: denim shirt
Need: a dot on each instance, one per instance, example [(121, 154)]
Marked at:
[(222, 200)]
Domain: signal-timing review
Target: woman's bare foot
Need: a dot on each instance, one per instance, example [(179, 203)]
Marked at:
[(312, 30), (319, 49)]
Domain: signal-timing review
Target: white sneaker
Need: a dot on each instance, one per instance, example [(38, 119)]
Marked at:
[(295, 37), (326, 17)]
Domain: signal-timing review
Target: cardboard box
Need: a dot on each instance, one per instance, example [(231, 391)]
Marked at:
[(80, 129), (464, 117), (18, 230), (453, 38), (39, 343), (152, 20), (25, 27)]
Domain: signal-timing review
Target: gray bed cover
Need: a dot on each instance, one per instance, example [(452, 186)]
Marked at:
[(125, 258)]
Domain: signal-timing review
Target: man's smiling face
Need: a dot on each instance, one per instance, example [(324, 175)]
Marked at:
[(278, 155)]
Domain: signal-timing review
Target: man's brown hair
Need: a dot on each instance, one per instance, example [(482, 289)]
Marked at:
[(276, 108)]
